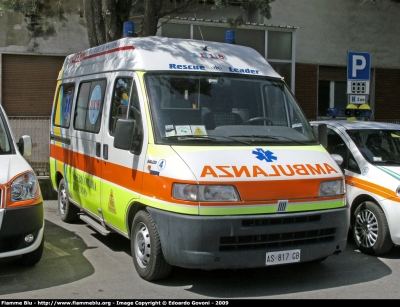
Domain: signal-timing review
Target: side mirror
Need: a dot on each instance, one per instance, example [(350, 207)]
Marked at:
[(337, 158), (322, 134), (25, 145), (124, 131)]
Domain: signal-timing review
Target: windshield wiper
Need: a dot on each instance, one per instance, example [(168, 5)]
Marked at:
[(268, 137), (189, 137)]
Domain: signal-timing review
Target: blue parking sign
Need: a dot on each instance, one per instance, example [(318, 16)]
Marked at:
[(358, 66)]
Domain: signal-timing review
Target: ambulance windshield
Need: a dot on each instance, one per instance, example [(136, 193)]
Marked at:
[(378, 146), (224, 109)]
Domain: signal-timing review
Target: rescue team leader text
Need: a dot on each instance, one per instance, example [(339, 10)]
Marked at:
[(274, 170), (200, 67)]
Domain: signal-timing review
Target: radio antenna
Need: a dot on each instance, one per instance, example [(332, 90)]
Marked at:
[(205, 46)]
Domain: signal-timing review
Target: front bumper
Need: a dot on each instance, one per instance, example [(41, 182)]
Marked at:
[(15, 224), (233, 242)]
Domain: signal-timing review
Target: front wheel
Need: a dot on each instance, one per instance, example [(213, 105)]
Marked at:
[(371, 230), (68, 212), (146, 248)]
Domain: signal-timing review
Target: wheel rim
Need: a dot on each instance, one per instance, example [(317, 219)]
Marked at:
[(62, 200), (142, 245), (366, 228)]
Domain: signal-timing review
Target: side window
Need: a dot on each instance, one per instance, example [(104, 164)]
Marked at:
[(89, 106), (62, 110), (120, 101), (125, 104), (353, 166)]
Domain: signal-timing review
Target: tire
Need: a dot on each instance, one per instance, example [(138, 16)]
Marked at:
[(370, 229), (32, 258), (68, 212), (146, 249)]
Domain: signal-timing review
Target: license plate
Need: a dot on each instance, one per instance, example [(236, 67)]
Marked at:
[(274, 258)]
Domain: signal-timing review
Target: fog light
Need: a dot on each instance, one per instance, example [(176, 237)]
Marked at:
[(29, 238)]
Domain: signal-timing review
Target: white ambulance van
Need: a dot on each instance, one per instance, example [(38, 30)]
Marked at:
[(371, 163), (195, 151), (21, 203)]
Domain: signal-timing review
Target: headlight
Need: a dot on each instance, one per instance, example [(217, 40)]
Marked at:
[(331, 188), (195, 192), (25, 187)]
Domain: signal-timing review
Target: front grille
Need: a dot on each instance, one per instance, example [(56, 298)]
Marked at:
[(276, 239), (281, 221)]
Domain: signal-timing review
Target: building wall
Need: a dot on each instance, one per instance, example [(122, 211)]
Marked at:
[(28, 83), (306, 88), (328, 29), (387, 92)]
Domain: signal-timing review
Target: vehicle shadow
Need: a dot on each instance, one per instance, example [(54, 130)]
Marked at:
[(349, 268), (62, 262)]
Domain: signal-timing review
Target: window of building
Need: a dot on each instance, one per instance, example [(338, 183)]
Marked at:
[(331, 94)]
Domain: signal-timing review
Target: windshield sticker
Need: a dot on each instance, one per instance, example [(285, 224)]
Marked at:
[(244, 70), (364, 171), (199, 130), (186, 67), (94, 104), (377, 159), (169, 130), (183, 130), (264, 155)]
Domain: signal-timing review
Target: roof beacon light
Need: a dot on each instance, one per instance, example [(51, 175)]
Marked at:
[(128, 29), (230, 37)]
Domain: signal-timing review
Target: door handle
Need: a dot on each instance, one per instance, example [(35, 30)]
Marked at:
[(98, 149), (105, 151)]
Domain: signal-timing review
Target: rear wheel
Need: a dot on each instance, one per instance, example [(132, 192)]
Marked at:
[(371, 230), (68, 212), (34, 257), (146, 248)]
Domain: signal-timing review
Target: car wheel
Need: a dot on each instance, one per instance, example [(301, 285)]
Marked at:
[(146, 248), (370, 229), (34, 257), (68, 212)]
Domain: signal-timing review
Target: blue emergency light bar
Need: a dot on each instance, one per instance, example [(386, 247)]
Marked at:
[(334, 112)]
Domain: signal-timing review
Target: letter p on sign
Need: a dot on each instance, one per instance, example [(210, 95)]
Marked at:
[(358, 66)]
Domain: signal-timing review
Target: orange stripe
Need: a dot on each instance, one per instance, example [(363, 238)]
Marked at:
[(372, 188), (159, 187)]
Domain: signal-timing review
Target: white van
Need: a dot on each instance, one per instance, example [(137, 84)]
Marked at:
[(21, 203), (195, 151), (371, 163)]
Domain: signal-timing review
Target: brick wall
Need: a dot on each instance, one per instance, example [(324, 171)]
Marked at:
[(387, 94), (29, 83), (306, 88)]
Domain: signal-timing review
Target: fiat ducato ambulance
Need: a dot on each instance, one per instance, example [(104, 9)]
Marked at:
[(195, 151), (371, 164), (21, 203)]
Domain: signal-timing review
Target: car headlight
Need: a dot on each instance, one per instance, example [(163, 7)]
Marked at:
[(194, 192), (331, 188), (25, 187)]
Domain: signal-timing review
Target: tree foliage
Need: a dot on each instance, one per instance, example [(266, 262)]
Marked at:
[(105, 18)]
